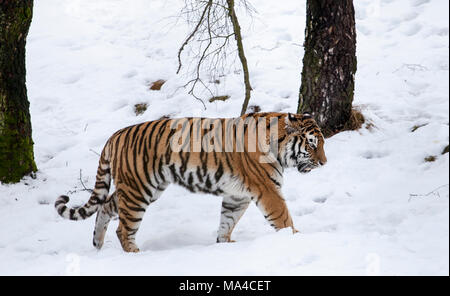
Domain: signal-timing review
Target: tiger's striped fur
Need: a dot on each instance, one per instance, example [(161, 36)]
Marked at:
[(141, 162)]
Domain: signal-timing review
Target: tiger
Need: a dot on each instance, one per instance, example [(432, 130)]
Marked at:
[(143, 159)]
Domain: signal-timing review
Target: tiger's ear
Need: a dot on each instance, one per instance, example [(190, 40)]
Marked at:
[(292, 123), (293, 117), (306, 116)]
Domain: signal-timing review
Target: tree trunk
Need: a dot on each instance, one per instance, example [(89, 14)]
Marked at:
[(16, 145), (329, 63), (242, 58)]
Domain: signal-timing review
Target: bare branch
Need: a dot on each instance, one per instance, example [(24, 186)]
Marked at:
[(192, 34), (214, 25), (85, 189), (434, 192)]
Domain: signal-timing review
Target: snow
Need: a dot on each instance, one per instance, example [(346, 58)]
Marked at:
[(371, 210)]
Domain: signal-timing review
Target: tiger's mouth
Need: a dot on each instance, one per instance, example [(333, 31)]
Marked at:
[(305, 167)]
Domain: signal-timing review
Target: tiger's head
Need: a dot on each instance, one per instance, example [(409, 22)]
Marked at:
[(301, 143)]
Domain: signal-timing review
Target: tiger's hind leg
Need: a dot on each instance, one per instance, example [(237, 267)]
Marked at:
[(104, 215), (232, 210), (132, 206)]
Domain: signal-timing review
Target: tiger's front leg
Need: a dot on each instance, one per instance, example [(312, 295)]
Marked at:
[(232, 210), (273, 206)]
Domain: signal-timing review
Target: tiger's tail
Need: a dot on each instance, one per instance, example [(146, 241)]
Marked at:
[(98, 196)]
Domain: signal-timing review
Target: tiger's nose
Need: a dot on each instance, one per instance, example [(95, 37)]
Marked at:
[(323, 161)]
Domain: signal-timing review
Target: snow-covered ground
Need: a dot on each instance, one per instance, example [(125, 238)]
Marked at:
[(370, 210)]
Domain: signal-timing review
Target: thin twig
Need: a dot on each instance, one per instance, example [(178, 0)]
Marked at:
[(94, 152), (208, 5), (85, 189), (434, 192)]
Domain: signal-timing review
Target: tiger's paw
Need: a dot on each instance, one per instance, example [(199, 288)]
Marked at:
[(225, 240), (131, 249), (98, 244)]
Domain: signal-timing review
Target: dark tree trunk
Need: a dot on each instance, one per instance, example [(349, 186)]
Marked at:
[(16, 145), (329, 63)]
